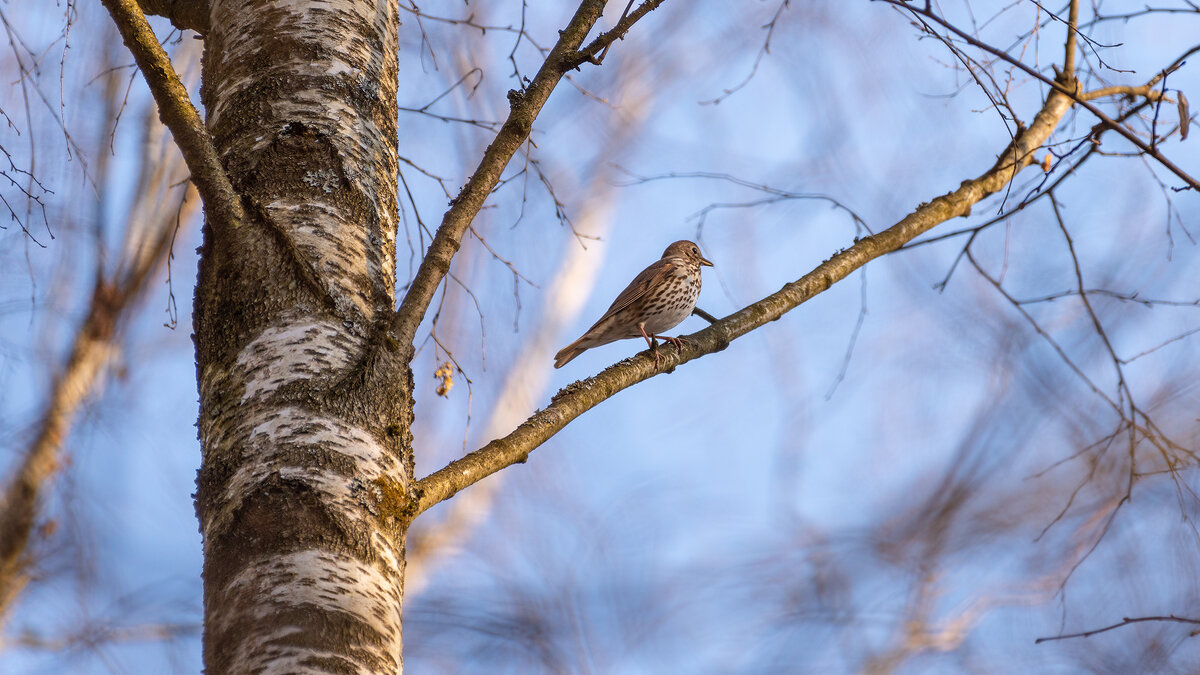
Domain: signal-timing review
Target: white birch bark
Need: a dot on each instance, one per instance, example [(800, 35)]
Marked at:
[(305, 404)]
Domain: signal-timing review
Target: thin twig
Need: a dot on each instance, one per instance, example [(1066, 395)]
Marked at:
[(1124, 622)]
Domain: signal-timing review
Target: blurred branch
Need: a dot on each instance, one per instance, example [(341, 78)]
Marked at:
[(93, 348), (1148, 91), (1068, 68), (579, 397), (152, 225), (96, 634), (1124, 622), (524, 108), (222, 206)]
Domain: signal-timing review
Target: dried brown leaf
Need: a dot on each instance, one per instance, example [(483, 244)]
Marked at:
[(1185, 121)]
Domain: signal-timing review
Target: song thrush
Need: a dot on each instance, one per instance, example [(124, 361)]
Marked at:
[(657, 300)]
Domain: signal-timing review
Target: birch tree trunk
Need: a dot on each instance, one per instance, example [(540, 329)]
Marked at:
[(305, 405)]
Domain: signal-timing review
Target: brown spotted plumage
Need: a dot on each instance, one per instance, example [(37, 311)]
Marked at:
[(657, 300)]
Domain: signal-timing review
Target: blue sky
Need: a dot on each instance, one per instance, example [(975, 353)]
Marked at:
[(731, 516)]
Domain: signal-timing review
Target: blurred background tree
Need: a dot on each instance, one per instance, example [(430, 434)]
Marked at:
[(983, 439)]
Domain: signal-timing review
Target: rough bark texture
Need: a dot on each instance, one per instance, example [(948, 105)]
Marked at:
[(306, 405), (184, 14)]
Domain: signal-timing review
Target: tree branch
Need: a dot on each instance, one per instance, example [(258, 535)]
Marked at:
[(524, 108), (222, 206), (1149, 92), (93, 348), (1072, 31), (183, 14), (1124, 622), (594, 52), (579, 397)]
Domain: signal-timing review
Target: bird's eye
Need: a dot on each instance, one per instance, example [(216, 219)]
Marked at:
[(695, 250)]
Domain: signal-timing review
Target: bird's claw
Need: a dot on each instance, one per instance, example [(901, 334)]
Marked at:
[(659, 357), (679, 342)]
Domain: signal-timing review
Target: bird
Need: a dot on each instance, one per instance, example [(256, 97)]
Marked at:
[(657, 300)]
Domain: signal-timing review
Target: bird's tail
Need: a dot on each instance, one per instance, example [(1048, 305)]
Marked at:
[(567, 353)]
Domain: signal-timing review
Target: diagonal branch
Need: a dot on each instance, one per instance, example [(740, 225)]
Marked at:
[(94, 347), (530, 370), (524, 108), (222, 206), (584, 395)]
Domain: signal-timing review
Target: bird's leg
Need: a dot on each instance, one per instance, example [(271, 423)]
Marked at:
[(652, 342)]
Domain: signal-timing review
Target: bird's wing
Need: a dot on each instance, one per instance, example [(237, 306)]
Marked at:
[(653, 275)]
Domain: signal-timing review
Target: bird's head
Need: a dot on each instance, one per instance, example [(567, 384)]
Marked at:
[(688, 251)]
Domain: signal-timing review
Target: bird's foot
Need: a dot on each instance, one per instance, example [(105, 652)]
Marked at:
[(654, 352), (679, 342)]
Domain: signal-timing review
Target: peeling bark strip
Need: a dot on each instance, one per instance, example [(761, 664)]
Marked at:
[(305, 408), (581, 396)]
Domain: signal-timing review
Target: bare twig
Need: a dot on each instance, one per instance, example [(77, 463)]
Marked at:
[(777, 194), (593, 53), (762, 52), (1124, 622), (858, 324)]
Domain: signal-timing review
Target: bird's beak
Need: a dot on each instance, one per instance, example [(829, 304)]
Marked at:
[(706, 262)]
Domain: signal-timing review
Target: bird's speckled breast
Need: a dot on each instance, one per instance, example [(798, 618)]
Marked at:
[(676, 303)]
